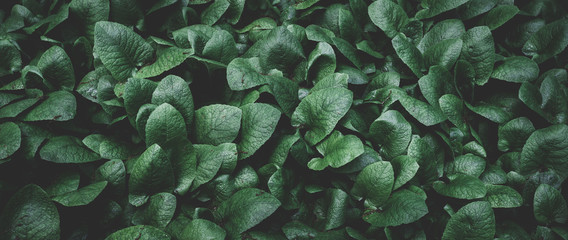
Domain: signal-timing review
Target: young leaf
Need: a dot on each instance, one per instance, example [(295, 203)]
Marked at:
[(166, 60)]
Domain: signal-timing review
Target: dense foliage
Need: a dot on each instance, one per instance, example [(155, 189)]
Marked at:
[(275, 119)]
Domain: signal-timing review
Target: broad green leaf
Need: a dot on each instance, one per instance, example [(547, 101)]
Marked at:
[(298, 230), (388, 16), (549, 205), (405, 168), (375, 183), (63, 183), (337, 80), (491, 112), (245, 73), (425, 156), (142, 118), (347, 50), (444, 30), (258, 123), (113, 172), (320, 111), (217, 123), (548, 101), (175, 91), (139, 232), (221, 47), (32, 137), (166, 60), (183, 157), (89, 12), (503, 197), (120, 49), (444, 53), (336, 203), (81, 196), (546, 148), (318, 34), (137, 92), (10, 60), (151, 173), (435, 84), (321, 62), (57, 69), (392, 133), (337, 150), (165, 125), (408, 53), (202, 229), (282, 149), (245, 209), (467, 164), (474, 221), (498, 16), (235, 11), (369, 48), (260, 24), (286, 93), (196, 36), (403, 207), (282, 43), (549, 41), (30, 214), (479, 50), (461, 186), (213, 13), (434, 7), (210, 159), (516, 69), (514, 134), (11, 139), (423, 112), (158, 212), (475, 8), (356, 76), (66, 149), (300, 5)]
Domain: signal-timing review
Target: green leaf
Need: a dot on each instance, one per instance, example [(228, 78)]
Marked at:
[(113, 172), (546, 148), (320, 111), (479, 50), (63, 183), (10, 60), (549, 41), (392, 133), (444, 53), (453, 107), (503, 197), (514, 134), (11, 139), (210, 159), (245, 73), (467, 164), (549, 205), (423, 112), (235, 11), (57, 69), (167, 59), (498, 16), (408, 53), (403, 207), (475, 8), (375, 183), (321, 62), (165, 125), (260, 24), (140, 232), (474, 221), (258, 123), (405, 168), (337, 150), (82, 196), (183, 157), (516, 69), (434, 7), (213, 13), (286, 93), (217, 123), (58, 106), (282, 43), (548, 101), (221, 47), (151, 173), (30, 214), (335, 206), (491, 112), (434, 85), (120, 49), (66, 149), (348, 51), (202, 229), (245, 209), (175, 91), (158, 212), (461, 186), (137, 92), (444, 30), (89, 13), (388, 16)]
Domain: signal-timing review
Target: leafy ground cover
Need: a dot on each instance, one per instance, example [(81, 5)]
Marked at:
[(283, 119)]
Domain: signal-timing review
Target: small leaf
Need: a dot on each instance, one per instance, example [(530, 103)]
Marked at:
[(405, 168), (514, 134), (221, 47), (57, 69), (337, 150), (423, 112), (158, 212), (499, 16), (392, 133), (175, 91)]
